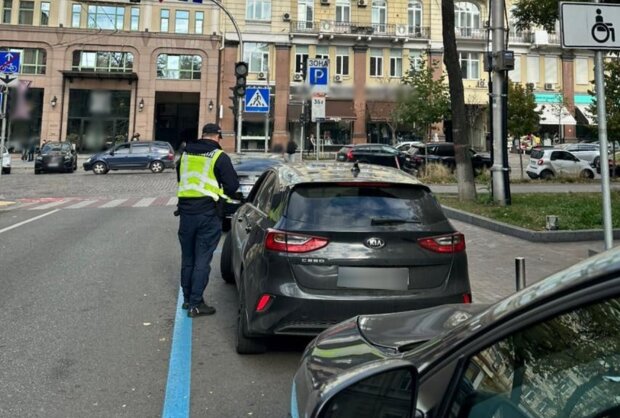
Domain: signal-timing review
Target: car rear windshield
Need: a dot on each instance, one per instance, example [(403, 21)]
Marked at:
[(346, 206), (537, 154)]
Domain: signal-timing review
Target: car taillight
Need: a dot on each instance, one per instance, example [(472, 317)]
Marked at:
[(466, 297), (293, 243), (540, 162), (263, 303), (350, 155), (171, 155), (445, 244)]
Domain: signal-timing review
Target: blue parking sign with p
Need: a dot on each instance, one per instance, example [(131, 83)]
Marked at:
[(318, 76)]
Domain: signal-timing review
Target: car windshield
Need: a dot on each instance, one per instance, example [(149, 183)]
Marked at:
[(537, 154), (53, 148), (343, 207)]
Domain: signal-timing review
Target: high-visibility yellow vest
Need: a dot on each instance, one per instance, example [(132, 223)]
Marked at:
[(198, 176)]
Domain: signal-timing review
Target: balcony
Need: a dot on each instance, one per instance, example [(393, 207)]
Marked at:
[(520, 37), (333, 27), (470, 33)]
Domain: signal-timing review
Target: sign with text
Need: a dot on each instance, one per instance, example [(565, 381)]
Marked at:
[(318, 107), (590, 25), (318, 74)]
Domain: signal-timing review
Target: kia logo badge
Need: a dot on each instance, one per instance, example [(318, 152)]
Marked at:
[(374, 243)]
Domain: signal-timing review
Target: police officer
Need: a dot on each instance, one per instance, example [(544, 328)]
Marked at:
[(206, 178)]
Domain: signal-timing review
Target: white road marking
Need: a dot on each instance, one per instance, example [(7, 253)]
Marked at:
[(49, 205), (81, 204), (8, 228), (113, 203), (143, 203), (172, 201)]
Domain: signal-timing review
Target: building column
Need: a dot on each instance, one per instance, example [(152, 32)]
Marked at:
[(568, 90), (359, 95), (283, 82), (228, 57), (435, 62)]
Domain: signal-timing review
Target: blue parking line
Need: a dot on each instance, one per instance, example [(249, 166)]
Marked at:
[(176, 401)]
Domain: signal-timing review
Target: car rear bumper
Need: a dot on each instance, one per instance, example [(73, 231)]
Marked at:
[(62, 166), (533, 175)]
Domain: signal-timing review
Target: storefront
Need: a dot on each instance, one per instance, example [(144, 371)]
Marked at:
[(24, 118)]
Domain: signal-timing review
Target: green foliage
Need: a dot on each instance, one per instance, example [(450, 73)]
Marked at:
[(612, 98), (426, 100), (528, 13), (523, 118)]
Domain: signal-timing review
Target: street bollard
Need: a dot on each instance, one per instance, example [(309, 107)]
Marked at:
[(520, 272)]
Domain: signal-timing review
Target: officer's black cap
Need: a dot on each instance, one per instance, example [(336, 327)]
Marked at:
[(211, 128)]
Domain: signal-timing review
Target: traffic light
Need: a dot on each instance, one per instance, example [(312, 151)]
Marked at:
[(241, 72), (235, 102)]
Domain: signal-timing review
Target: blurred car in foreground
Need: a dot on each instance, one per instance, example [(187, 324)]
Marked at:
[(138, 155), (546, 164), (551, 350), (6, 161), (55, 156), (317, 243), (378, 154)]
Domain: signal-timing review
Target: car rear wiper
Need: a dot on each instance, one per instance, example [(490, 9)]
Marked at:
[(389, 221)]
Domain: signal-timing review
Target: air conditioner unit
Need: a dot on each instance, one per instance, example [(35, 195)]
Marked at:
[(482, 83), (530, 86), (401, 30), (262, 76), (338, 78), (324, 2), (298, 77), (549, 86), (286, 17), (362, 3), (541, 37)]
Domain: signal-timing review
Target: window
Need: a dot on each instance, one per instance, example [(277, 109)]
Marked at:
[(551, 70), (470, 65), (179, 67), (135, 18), (164, 20), (141, 149), (26, 12), (376, 63), (7, 9), (106, 17), (414, 17), (301, 57), (305, 13), (181, 21), (467, 19), (379, 15), (561, 367), (33, 60), (415, 60), (396, 63), (582, 74), (257, 56), (343, 11), (103, 61), (76, 15), (322, 53), (45, 13), (515, 75), (199, 22), (259, 10), (263, 197), (122, 149), (533, 70), (342, 61)]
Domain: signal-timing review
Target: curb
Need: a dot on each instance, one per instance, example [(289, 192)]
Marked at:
[(527, 234)]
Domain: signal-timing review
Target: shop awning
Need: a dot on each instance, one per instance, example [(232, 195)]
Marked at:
[(554, 114), (100, 75), (380, 111), (339, 110), (583, 112)]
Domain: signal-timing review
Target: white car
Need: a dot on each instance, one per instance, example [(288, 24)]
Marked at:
[(6, 161), (548, 163), (589, 152)]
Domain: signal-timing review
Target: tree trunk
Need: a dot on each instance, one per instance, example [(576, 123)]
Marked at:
[(460, 135)]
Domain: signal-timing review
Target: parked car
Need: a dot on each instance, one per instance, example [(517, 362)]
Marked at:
[(406, 146), (550, 350), (443, 153), (548, 163), (613, 163), (6, 161), (587, 152), (55, 156), (317, 243), (375, 154), (139, 155)]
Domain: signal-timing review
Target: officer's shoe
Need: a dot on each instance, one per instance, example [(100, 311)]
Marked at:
[(201, 310), (185, 306)]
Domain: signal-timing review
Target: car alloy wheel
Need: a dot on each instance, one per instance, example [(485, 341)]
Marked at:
[(157, 167), (99, 168)]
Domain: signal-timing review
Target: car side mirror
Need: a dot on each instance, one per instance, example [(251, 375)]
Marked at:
[(391, 390)]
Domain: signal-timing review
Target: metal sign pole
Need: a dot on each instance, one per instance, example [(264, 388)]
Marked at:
[(318, 139), (303, 124), (239, 123), (5, 99)]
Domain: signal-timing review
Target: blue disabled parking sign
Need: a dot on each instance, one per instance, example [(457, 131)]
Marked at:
[(257, 99)]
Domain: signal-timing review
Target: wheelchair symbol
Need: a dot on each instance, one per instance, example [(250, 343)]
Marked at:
[(601, 31)]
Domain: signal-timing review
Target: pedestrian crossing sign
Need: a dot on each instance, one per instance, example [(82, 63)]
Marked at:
[(257, 100)]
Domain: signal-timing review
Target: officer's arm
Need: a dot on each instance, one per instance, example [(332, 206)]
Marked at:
[(226, 175)]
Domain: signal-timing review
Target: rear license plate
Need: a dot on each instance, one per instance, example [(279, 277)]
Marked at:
[(52, 165), (373, 278)]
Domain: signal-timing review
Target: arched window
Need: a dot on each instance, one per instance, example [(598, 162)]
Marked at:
[(414, 15), (379, 16), (467, 18), (343, 11), (179, 67)]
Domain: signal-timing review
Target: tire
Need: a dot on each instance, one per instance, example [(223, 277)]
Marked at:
[(597, 162), (226, 267), (6, 170), (100, 168), (37, 171), (243, 344), (586, 174), (547, 175), (157, 166)]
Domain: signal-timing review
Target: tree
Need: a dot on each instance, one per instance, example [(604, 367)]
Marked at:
[(612, 98), (528, 13), (425, 101), (460, 134), (523, 118)]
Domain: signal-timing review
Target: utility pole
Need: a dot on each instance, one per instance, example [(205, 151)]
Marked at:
[(501, 62), (4, 94)]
